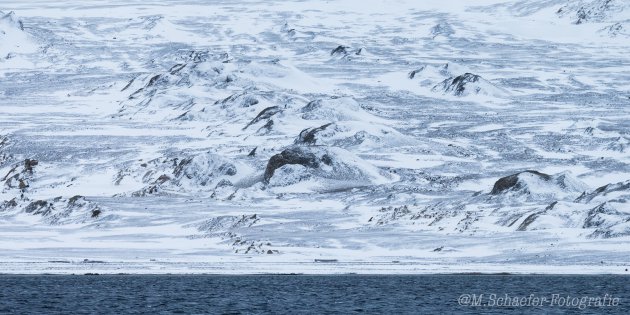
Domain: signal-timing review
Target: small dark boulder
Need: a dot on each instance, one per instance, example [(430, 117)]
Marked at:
[(295, 155), (29, 164), (340, 50), (96, 212), (512, 182), (326, 159)]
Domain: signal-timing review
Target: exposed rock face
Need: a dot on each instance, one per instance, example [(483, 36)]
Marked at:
[(592, 10), (513, 182), (199, 67), (228, 228), (390, 214), (38, 207), (604, 191), (335, 109), (29, 164), (20, 175), (323, 167), (534, 184), (226, 224), (308, 135), (597, 216), (240, 99), (527, 201), (608, 220), (8, 204), (468, 84), (339, 50), (294, 155), (4, 156), (4, 141), (599, 11), (347, 134), (57, 210), (534, 216), (199, 171), (347, 53), (457, 85), (265, 114)]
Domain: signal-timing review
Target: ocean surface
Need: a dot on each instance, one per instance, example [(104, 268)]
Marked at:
[(306, 294)]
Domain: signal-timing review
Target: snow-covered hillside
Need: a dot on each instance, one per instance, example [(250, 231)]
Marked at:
[(421, 136)]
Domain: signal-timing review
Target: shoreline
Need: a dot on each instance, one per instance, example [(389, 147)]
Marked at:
[(299, 268)]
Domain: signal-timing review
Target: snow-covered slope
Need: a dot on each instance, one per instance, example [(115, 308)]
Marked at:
[(204, 136), (13, 37)]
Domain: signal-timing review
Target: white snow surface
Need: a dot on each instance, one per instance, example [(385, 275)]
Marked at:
[(315, 136)]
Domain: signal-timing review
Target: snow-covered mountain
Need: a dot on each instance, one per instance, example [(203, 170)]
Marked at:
[(464, 136)]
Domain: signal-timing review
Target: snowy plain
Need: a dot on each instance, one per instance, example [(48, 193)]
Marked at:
[(315, 136)]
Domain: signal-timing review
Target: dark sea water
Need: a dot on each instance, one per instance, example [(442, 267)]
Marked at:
[(302, 294)]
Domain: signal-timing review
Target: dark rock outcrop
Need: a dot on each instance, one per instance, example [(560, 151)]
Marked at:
[(226, 224), (458, 85), (8, 204), (512, 182), (4, 141), (596, 217), (309, 135), (264, 114), (20, 177), (340, 50), (294, 155), (29, 164), (532, 217), (38, 207), (346, 52), (603, 191), (240, 99), (412, 74), (311, 106), (177, 172), (327, 166)]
